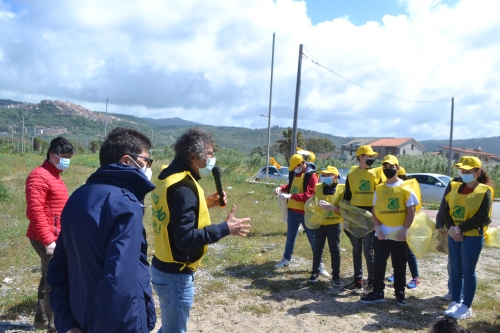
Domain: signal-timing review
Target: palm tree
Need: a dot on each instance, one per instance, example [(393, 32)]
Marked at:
[(285, 144)]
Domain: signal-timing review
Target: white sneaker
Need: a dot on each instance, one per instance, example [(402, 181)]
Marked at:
[(448, 297), (282, 263), (322, 270), (451, 308), (462, 312)]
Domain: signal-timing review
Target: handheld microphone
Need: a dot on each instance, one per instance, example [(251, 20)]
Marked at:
[(218, 185)]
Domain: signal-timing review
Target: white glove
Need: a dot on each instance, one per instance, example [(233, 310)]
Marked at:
[(454, 231), (380, 233), (402, 234), (345, 225), (277, 190), (285, 195), (326, 205), (49, 249)]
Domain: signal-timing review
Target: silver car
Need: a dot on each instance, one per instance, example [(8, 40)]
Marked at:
[(432, 185), (280, 174)]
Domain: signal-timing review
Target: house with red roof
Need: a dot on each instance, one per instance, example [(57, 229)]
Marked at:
[(397, 146), (457, 153)]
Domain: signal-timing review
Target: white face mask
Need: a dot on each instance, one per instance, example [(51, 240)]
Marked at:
[(145, 170), (207, 170), (63, 163)]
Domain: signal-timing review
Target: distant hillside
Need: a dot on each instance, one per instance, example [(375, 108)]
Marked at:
[(171, 122), (490, 145)]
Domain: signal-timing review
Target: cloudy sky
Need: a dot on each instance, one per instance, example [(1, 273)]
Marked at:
[(209, 61)]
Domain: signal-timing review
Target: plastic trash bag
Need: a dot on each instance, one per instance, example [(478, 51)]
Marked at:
[(283, 206), (420, 234), (359, 221), (442, 242), (492, 237), (314, 215)]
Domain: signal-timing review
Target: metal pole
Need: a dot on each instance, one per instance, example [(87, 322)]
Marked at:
[(269, 114), (451, 136), (296, 109), (22, 138), (106, 118)]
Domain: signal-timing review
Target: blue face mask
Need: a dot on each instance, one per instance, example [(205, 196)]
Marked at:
[(63, 163), (468, 177), (207, 170), (327, 180), (297, 170)]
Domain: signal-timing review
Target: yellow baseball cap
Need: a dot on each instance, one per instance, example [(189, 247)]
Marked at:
[(329, 169), (295, 160), (366, 150), (391, 159), (401, 171), (469, 163)]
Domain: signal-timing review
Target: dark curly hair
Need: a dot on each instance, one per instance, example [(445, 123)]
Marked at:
[(193, 144), (60, 145)]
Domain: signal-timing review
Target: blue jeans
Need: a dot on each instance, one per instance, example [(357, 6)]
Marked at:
[(359, 246), (463, 259), (332, 233), (293, 221), (412, 264), (176, 294)]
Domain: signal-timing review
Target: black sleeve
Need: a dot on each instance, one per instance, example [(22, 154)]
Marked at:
[(347, 190), (481, 218), (183, 227), (439, 217)]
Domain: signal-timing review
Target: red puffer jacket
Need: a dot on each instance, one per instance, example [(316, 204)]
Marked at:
[(46, 195)]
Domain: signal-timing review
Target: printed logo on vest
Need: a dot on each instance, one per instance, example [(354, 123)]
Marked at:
[(364, 185), (393, 203), (294, 190), (459, 212)]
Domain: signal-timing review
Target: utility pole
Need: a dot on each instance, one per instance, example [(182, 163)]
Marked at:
[(22, 145), (451, 136), (269, 114), (106, 118), (293, 145)]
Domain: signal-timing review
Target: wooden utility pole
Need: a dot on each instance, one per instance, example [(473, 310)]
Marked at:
[(293, 145)]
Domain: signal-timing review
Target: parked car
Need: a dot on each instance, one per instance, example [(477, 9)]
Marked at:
[(280, 174), (432, 185), (342, 175)]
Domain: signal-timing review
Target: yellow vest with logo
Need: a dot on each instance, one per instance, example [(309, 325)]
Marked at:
[(161, 218), (362, 183), (329, 216), (296, 187), (464, 206), (390, 207)]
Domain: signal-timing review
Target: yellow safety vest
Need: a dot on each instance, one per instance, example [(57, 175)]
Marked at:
[(464, 206), (390, 207), (329, 216), (161, 218), (362, 183), (296, 187)]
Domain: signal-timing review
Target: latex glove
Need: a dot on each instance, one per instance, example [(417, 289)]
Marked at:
[(285, 195), (277, 190), (455, 233), (75, 330), (402, 234), (380, 233), (49, 249), (326, 205), (345, 225)]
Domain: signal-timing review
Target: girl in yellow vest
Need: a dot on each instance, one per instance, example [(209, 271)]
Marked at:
[(328, 194), (467, 215), (393, 212)]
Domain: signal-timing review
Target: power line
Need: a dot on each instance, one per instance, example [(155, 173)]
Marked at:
[(316, 62)]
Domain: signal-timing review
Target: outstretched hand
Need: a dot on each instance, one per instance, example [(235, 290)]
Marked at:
[(237, 227)]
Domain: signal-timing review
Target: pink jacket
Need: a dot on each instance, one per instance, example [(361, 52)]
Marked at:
[(46, 195)]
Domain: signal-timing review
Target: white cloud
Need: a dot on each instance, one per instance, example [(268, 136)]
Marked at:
[(209, 61)]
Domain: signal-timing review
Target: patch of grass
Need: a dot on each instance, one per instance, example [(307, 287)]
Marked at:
[(257, 309)]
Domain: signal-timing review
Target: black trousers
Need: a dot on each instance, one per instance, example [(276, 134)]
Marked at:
[(398, 252)]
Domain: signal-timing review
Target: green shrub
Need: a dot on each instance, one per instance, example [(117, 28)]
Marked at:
[(4, 193)]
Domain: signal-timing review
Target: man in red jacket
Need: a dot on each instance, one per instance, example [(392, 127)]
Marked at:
[(46, 195)]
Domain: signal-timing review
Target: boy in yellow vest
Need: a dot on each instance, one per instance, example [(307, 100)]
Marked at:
[(393, 212), (328, 194), (359, 187)]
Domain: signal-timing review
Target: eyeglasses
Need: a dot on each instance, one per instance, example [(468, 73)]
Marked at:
[(148, 160)]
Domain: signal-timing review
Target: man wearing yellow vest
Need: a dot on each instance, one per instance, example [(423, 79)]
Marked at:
[(359, 187), (182, 228), (301, 187), (393, 212)]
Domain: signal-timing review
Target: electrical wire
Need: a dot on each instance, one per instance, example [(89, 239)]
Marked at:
[(316, 62)]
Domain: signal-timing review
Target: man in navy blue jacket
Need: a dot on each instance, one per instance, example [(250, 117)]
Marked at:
[(99, 274)]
